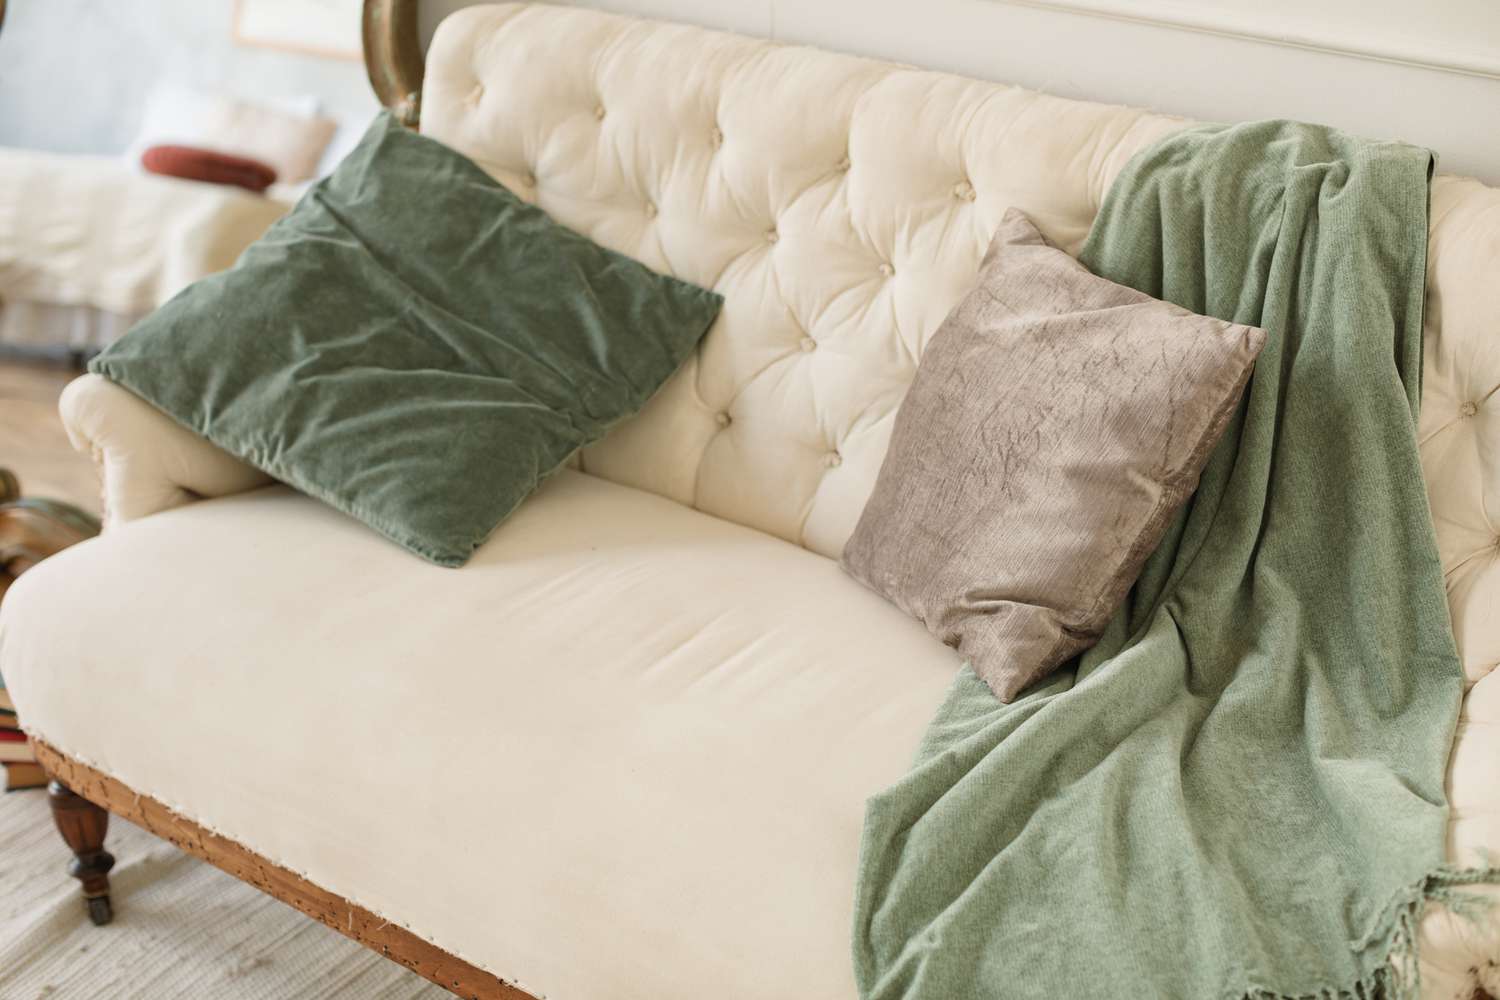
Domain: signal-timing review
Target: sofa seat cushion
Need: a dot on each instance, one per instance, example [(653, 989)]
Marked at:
[(623, 753)]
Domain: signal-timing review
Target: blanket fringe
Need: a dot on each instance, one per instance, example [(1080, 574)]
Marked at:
[(1393, 942)]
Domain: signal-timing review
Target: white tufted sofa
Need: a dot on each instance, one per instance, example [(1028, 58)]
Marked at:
[(624, 753)]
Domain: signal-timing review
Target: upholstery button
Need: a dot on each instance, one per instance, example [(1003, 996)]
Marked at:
[(599, 112), (717, 137), (1469, 409), (963, 191), (530, 180), (650, 209), (476, 93), (722, 419), (808, 345), (772, 236), (833, 460), (886, 269), (844, 163)]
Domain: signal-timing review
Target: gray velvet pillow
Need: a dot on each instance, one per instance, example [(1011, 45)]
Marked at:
[(1056, 422), (414, 345)]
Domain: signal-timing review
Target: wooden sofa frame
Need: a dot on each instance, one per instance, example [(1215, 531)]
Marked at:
[(82, 799)]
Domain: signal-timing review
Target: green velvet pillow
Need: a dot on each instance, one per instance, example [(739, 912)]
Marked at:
[(414, 345)]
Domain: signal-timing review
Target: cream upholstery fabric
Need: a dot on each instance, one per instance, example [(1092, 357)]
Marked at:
[(841, 206), (87, 230), (1460, 439), (147, 461), (773, 175), (622, 754)]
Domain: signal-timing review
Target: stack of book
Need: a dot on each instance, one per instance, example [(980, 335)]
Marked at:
[(16, 754)]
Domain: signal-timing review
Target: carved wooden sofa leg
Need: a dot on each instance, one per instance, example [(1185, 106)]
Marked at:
[(83, 825)]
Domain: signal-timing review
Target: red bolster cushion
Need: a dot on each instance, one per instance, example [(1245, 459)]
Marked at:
[(195, 164)]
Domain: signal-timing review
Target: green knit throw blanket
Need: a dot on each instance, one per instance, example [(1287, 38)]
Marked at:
[(1239, 792)]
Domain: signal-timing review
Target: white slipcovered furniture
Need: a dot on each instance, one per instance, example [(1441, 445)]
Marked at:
[(89, 244), (625, 752)]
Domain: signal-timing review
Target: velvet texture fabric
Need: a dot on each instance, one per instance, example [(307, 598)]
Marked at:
[(193, 164), (1056, 423), (1239, 791), (414, 345)]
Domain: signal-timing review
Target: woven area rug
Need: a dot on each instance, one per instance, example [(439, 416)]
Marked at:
[(182, 928)]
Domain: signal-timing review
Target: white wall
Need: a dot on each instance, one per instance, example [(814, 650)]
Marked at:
[(1427, 71), (74, 73)]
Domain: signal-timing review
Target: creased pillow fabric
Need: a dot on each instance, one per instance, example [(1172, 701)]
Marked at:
[(414, 345), (1056, 422)]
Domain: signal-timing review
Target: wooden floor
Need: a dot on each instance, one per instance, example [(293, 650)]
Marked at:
[(32, 442)]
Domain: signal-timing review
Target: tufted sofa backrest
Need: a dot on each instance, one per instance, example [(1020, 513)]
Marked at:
[(841, 206)]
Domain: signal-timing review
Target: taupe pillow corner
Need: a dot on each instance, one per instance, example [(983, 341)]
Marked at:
[(1056, 422)]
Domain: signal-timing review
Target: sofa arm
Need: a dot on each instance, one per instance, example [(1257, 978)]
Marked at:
[(146, 460), (1461, 953)]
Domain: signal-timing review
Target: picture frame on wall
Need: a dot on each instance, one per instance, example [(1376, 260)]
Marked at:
[(328, 28)]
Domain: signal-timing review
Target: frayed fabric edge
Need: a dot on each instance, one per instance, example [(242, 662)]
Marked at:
[(1394, 940)]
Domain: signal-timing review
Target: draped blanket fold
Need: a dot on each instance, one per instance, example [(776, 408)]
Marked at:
[(1239, 792)]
